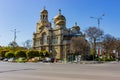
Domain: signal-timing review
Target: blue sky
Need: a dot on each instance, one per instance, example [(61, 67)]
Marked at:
[(24, 14)]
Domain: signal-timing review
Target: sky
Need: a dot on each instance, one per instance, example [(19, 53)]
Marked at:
[(23, 15)]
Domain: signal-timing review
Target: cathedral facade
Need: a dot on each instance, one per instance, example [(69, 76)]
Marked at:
[(54, 38)]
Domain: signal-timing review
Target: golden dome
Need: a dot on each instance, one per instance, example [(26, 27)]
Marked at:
[(60, 22), (76, 27), (59, 18)]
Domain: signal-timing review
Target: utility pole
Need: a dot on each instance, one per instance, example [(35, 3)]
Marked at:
[(15, 36), (98, 22)]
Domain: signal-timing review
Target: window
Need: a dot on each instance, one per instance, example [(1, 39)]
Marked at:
[(55, 40), (37, 43), (44, 39)]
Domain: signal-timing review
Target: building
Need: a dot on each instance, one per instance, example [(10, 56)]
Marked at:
[(54, 38)]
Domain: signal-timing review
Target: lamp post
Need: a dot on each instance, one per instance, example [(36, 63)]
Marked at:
[(98, 19), (98, 22)]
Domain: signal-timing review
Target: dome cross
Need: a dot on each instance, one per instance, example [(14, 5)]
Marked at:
[(59, 11)]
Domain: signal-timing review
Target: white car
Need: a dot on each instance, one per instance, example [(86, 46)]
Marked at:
[(47, 59)]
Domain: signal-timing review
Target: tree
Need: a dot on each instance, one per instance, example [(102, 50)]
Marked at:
[(13, 44), (28, 44), (79, 46), (109, 43), (94, 34), (117, 48)]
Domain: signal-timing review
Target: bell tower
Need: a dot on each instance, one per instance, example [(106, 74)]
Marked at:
[(44, 15), (43, 20)]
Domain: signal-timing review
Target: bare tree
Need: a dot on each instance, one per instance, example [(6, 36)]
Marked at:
[(109, 43), (79, 46), (118, 48), (94, 34), (28, 44)]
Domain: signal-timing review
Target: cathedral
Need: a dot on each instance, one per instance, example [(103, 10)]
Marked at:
[(54, 38)]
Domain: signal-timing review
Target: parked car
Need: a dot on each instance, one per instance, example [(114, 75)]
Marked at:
[(21, 60), (11, 60), (33, 60), (47, 59), (5, 59), (1, 58)]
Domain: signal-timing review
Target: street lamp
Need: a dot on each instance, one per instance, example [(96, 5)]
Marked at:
[(98, 22), (98, 19)]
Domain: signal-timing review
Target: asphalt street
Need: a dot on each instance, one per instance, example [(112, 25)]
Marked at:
[(49, 71)]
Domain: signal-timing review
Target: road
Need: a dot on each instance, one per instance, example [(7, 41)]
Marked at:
[(47, 71)]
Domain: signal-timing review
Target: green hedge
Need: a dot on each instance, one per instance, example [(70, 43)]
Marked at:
[(44, 54), (9, 55), (26, 54), (20, 53), (32, 54), (107, 58), (3, 52)]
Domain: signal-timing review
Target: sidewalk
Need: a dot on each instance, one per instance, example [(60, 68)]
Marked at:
[(89, 62)]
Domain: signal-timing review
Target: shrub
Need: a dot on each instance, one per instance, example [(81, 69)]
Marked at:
[(44, 54), (36, 54), (20, 53), (93, 53), (2, 53), (9, 54), (32, 54), (41, 54), (29, 54), (47, 54)]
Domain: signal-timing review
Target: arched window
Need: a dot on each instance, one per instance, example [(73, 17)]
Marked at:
[(44, 38), (37, 43), (55, 40)]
